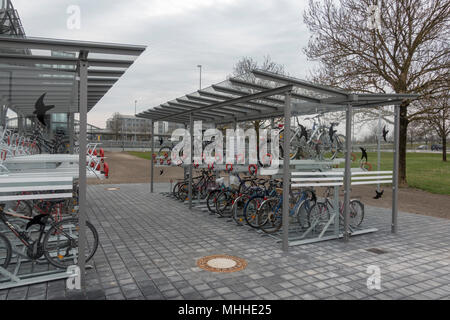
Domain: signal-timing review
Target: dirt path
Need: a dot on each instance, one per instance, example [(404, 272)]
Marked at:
[(125, 168)]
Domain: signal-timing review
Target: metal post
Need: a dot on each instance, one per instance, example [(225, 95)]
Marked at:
[(348, 172), (71, 132), (272, 123), (395, 180), (191, 130), (286, 170), (20, 124), (185, 169), (336, 211), (152, 128), (200, 67), (1, 117), (379, 147), (83, 70)]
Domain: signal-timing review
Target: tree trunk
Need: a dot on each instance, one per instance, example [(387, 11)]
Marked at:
[(402, 146), (444, 148)]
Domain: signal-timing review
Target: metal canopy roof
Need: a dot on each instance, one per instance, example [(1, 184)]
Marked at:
[(261, 95), (30, 67)]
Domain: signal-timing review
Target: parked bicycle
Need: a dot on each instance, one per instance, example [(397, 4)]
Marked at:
[(319, 214), (56, 241), (270, 213), (58, 145), (321, 142)]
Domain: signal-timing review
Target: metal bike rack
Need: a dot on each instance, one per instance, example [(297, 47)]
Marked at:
[(335, 179), (72, 83), (64, 185), (271, 96)]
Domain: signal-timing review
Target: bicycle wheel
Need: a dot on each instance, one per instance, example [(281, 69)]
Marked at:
[(293, 145), (238, 209), (270, 216), (183, 192), (302, 213), (318, 216), (251, 209), (5, 251), (223, 203), (356, 213), (211, 200), (328, 146), (62, 147), (340, 146), (60, 242), (175, 189)]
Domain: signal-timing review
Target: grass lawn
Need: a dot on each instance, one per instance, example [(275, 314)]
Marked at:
[(424, 171), (143, 155)]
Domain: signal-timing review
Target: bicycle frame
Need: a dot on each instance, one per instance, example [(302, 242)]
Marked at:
[(19, 234)]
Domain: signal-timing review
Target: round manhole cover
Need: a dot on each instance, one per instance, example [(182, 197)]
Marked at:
[(221, 263), (112, 189)]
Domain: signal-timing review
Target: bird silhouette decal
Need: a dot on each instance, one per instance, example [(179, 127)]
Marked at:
[(379, 194), (303, 133), (161, 141), (364, 153), (385, 132), (41, 109), (331, 132), (161, 172)]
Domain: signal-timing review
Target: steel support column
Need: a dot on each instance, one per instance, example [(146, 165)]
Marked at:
[(379, 147), (83, 72), (395, 177), (20, 124), (185, 169), (348, 170), (71, 132), (191, 157), (152, 165), (286, 170)]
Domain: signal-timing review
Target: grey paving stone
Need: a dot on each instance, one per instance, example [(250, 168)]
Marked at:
[(147, 254)]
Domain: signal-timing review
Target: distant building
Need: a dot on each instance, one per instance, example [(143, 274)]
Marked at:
[(129, 126)]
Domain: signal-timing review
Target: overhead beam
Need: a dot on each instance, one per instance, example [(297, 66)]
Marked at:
[(224, 97), (224, 110), (69, 45), (250, 97), (280, 102), (182, 107), (298, 83), (261, 88), (234, 107)]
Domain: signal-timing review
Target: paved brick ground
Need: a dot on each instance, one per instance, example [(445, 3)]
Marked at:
[(149, 246)]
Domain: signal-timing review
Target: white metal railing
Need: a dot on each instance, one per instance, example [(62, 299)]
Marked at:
[(42, 184), (336, 178)]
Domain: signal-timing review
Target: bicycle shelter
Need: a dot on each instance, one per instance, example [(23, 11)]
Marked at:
[(273, 96), (73, 76)]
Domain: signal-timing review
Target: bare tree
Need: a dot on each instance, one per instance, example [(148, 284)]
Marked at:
[(116, 125), (436, 116), (243, 69), (407, 52)]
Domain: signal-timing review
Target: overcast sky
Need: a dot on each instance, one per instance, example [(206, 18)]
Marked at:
[(180, 34)]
